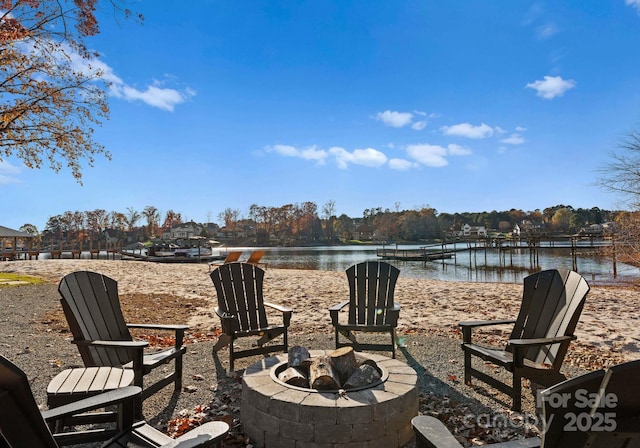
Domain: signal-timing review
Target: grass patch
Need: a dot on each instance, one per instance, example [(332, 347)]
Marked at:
[(7, 279)]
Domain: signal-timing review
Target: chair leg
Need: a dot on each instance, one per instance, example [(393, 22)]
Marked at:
[(231, 356), (178, 373), (286, 341), (517, 392), (393, 343), (467, 368)]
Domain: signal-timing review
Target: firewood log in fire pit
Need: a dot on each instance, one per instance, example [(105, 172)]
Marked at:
[(344, 361), (342, 368), (322, 375), (295, 377), (364, 375), (297, 356)]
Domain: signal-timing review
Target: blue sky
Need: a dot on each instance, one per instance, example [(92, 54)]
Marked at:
[(472, 105)]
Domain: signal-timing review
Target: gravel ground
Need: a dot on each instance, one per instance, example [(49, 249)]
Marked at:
[(43, 351)]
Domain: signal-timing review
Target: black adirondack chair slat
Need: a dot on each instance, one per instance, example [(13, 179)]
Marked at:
[(384, 296), (78, 288), (575, 414), (242, 310), (22, 424), (371, 305), (552, 302), (91, 305)]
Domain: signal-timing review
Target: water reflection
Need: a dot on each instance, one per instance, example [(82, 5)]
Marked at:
[(481, 266)]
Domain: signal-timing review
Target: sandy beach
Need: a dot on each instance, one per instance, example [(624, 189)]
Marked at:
[(37, 338), (608, 330)]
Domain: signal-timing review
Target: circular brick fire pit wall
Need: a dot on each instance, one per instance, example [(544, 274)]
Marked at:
[(276, 415)]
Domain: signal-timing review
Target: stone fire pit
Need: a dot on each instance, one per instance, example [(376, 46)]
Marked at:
[(275, 414)]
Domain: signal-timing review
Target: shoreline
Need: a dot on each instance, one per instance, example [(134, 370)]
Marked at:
[(607, 327)]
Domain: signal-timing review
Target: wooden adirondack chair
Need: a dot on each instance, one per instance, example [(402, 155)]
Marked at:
[(23, 425), (231, 257), (255, 258), (371, 305), (551, 305), (577, 413), (91, 305), (241, 308)]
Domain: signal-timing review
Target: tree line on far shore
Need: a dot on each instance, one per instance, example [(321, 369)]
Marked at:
[(304, 223)]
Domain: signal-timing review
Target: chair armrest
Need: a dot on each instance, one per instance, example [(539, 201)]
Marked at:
[(203, 435), (468, 326), (96, 402), (431, 433), (539, 341), (178, 329), (228, 321), (286, 312), (159, 326), (522, 345), (127, 345), (484, 323), (281, 308), (333, 311), (393, 314), (223, 314)]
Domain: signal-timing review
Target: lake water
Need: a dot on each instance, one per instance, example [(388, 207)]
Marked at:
[(466, 267)]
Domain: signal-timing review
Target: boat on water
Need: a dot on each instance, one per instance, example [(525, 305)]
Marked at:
[(175, 253)]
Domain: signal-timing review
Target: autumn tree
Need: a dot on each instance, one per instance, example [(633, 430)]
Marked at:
[(132, 217), (562, 218), (52, 93), (622, 174), (229, 216), (171, 219), (152, 215), (328, 212), (32, 230), (117, 220)]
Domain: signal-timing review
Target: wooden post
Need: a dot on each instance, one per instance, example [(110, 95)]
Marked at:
[(613, 252)]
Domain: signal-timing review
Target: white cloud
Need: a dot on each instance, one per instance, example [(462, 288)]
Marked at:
[(499, 130), (551, 86), (514, 139), (634, 4), (165, 99), (458, 150), (429, 155), (468, 130), (284, 150), (153, 95), (309, 153), (520, 129), (546, 31), (418, 155), (395, 119), (8, 173), (366, 157), (402, 164)]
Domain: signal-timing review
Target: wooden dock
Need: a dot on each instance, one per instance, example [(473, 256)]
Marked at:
[(418, 254), (506, 248)]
